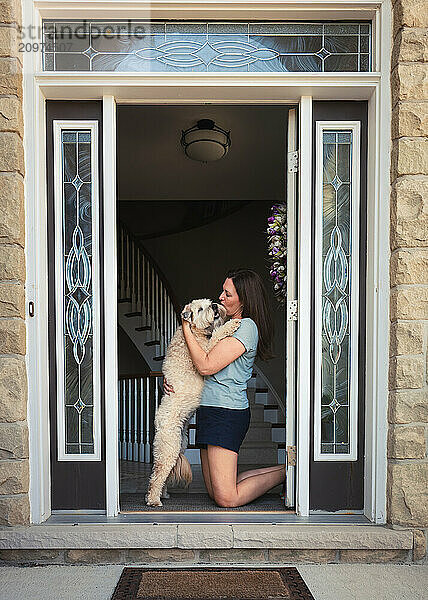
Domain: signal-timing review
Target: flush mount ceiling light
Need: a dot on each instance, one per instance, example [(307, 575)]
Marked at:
[(205, 141)]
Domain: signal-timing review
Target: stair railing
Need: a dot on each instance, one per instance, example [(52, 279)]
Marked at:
[(142, 283)]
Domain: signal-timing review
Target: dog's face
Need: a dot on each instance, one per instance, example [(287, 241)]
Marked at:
[(204, 314)]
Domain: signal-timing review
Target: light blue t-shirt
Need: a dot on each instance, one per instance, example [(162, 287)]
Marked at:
[(228, 387)]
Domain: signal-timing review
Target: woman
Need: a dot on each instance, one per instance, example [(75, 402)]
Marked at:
[(223, 417)]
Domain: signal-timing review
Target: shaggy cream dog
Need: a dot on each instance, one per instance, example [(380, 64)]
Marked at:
[(207, 321)]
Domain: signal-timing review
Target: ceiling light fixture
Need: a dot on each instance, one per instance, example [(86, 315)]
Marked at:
[(205, 141)]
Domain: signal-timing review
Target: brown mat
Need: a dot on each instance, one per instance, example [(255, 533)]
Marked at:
[(211, 584)]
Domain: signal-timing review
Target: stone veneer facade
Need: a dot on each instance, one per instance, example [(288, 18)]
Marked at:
[(408, 410), (407, 495)]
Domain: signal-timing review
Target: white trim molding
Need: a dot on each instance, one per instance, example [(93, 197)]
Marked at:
[(350, 281), (93, 282), (110, 305)]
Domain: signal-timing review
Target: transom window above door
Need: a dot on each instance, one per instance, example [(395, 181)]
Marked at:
[(172, 46)]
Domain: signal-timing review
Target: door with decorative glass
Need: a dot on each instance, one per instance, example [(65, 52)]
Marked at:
[(75, 305), (338, 305)]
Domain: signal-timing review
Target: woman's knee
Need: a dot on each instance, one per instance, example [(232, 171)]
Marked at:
[(226, 500)]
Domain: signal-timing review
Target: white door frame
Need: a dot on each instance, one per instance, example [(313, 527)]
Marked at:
[(224, 88)]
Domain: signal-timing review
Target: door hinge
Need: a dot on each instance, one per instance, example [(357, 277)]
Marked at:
[(292, 310), (291, 456), (293, 161)]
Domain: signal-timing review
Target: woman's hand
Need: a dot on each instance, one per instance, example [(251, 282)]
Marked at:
[(185, 324), (167, 389)]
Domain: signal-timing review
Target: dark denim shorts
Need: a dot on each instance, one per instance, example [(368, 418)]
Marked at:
[(218, 426)]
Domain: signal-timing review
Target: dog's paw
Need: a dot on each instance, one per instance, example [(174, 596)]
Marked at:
[(151, 501)]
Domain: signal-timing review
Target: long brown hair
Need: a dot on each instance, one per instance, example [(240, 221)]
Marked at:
[(252, 293)]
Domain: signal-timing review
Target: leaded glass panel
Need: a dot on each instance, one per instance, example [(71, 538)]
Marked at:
[(336, 265), (77, 268), (141, 46)]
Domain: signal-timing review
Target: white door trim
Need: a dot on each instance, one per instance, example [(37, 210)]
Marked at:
[(243, 88), (110, 304)]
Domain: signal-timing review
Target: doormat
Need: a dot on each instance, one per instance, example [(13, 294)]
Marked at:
[(211, 584)]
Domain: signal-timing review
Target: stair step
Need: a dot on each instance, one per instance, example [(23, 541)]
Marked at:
[(270, 406), (262, 390), (122, 300), (145, 328), (158, 358), (134, 314), (152, 343)]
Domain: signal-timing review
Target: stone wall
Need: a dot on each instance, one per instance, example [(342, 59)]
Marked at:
[(14, 463), (408, 395)]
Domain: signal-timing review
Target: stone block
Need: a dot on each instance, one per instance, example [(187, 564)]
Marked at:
[(408, 406), (406, 372), (12, 215), (279, 555), (234, 556), (409, 156), (411, 45), (10, 83), (12, 336), (12, 300), (409, 303), (319, 537), (374, 556), (10, 12), (160, 555), (117, 536), (14, 477), (11, 152), (409, 211), (419, 545), (409, 82), (406, 442), (12, 261), (13, 440), (193, 536), (410, 119), (13, 389), (11, 118), (410, 13), (32, 557), (406, 337), (409, 266), (95, 556), (9, 66), (407, 494), (8, 41), (14, 510)]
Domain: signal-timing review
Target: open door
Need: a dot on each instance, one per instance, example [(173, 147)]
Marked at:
[(291, 321)]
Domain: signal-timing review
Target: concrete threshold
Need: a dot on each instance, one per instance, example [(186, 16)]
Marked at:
[(199, 536)]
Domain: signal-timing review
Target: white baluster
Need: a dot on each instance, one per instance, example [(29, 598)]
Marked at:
[(135, 449), (122, 270), (153, 306), (133, 296), (124, 422), (129, 440), (128, 290), (142, 413), (147, 406), (139, 303)]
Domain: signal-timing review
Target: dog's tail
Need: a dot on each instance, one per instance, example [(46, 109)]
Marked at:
[(181, 474)]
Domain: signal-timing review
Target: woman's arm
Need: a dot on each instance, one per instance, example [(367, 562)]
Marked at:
[(223, 353)]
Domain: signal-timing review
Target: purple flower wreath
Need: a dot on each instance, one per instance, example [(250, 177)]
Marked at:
[(277, 250)]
